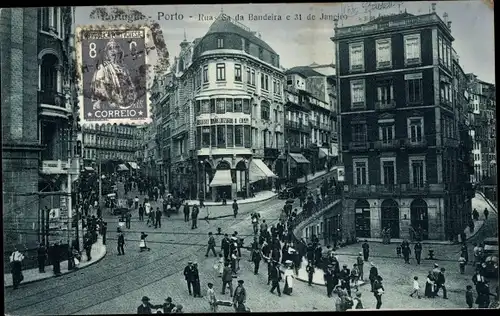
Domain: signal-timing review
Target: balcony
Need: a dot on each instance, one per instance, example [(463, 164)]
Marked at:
[(358, 146), (52, 104), (385, 105), (393, 190), (387, 144), (297, 126), (271, 152), (325, 127), (419, 144), (54, 167), (450, 142)]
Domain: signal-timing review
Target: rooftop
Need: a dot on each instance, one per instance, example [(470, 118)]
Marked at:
[(391, 18), (305, 71)]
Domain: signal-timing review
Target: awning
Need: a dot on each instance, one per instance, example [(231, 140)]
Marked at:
[(221, 178), (259, 171), (88, 169), (133, 165), (298, 158), (122, 167), (323, 152)]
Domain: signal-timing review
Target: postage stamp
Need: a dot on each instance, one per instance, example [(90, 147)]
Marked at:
[(113, 72)]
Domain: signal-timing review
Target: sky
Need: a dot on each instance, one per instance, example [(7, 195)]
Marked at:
[(302, 41)]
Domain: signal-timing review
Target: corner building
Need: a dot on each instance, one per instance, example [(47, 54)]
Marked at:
[(400, 140), (237, 109)]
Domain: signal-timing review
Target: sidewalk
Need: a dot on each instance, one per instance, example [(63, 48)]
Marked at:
[(32, 275), (259, 197)]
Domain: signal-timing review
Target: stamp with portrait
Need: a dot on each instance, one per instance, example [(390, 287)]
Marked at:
[(114, 72)]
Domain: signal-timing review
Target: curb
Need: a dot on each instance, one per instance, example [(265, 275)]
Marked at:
[(70, 271), (241, 202)]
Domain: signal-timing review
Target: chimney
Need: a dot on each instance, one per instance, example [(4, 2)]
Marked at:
[(449, 25), (445, 18), (335, 22), (433, 6)]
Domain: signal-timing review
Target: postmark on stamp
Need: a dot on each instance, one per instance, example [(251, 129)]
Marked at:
[(114, 70)]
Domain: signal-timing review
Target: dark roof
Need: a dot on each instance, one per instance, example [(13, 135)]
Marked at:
[(305, 71), (226, 26), (391, 18)]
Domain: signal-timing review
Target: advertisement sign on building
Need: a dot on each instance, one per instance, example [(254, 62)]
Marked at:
[(340, 173)]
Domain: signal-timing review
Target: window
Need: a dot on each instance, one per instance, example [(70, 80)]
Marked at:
[(249, 78), (412, 49), (44, 19), (417, 171), (358, 93), (386, 133), (229, 105), (205, 106), (237, 72), (212, 105), (448, 56), (220, 43), (221, 72), (264, 81), (415, 130), (246, 106), (360, 171), (205, 74), (213, 136), (383, 52), (388, 170), (238, 107), (247, 137), (238, 136), (253, 77), (276, 118), (385, 92), (278, 88), (414, 88), (264, 110), (50, 76), (359, 133), (205, 136), (289, 80), (356, 56), (230, 136), (221, 106), (441, 49), (221, 136)]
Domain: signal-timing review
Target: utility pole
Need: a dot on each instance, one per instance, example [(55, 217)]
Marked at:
[(99, 174)]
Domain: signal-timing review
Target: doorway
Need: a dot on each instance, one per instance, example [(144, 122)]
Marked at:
[(390, 217), (362, 219), (420, 218)]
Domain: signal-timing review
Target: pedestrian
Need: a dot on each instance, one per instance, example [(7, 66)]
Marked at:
[(288, 276), (225, 246), (151, 218), (418, 251), (212, 300), (128, 220), (355, 276), (357, 304), (469, 296), (136, 202), (141, 213), (440, 283), (345, 276), (220, 265), (16, 266), (189, 276), (416, 287), (158, 218), (406, 253), (256, 258), (275, 276), (366, 250), (373, 275), (41, 257), (145, 307), (142, 243), (235, 208), (462, 263), (330, 281), (263, 226), (486, 212), (310, 273), (186, 212), (429, 285), (227, 280), (194, 217), (240, 297), (398, 251), (168, 306), (87, 245), (121, 242), (475, 215), (378, 290), (483, 296), (196, 281), (234, 262), (211, 245), (465, 252), (475, 251)]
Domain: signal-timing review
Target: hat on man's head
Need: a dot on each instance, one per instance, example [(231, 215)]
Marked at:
[(345, 266), (288, 262), (330, 266), (169, 299), (190, 262), (241, 281), (358, 294), (436, 265), (145, 299), (360, 253)]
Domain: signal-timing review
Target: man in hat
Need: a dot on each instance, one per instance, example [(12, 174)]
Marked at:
[(275, 276), (436, 271), (373, 274), (186, 212), (235, 208), (256, 258), (189, 276), (440, 280), (211, 244), (41, 256), (240, 297), (329, 277), (16, 260), (345, 276), (360, 262), (225, 246), (227, 279), (366, 250), (196, 281), (168, 306), (121, 242), (145, 307), (194, 217)]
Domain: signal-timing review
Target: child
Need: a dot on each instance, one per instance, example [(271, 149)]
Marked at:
[(220, 265), (398, 251), (462, 262), (310, 273), (416, 287), (469, 297), (212, 300)]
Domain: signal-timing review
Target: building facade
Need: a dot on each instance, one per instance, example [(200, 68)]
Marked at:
[(113, 145), (400, 139), (38, 123), (483, 128), (223, 114)]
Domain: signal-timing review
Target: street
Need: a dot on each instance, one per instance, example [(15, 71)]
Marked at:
[(117, 283)]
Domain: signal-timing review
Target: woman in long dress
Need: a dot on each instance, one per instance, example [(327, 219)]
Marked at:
[(429, 285), (288, 277)]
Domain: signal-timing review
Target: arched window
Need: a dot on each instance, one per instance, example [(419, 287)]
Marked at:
[(265, 110), (49, 74)]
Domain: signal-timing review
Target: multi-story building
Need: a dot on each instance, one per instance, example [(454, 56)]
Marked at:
[(483, 131), (113, 145), (225, 113), (400, 141), (38, 120), (309, 120)]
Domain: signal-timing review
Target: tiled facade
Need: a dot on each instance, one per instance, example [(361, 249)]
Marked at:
[(401, 145)]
